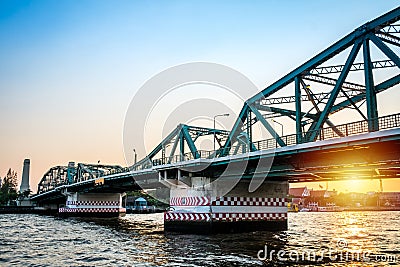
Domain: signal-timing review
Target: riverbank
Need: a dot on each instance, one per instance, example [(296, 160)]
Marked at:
[(372, 209), (26, 210)]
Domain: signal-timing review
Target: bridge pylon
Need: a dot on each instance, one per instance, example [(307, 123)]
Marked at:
[(199, 205), (92, 205)]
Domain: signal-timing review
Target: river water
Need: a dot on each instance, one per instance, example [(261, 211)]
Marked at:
[(323, 239)]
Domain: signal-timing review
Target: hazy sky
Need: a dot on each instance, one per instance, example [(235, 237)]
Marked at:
[(68, 69)]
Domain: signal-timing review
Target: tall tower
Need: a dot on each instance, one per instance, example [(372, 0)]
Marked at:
[(25, 176)]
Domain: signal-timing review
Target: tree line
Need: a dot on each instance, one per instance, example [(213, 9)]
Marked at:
[(8, 189)]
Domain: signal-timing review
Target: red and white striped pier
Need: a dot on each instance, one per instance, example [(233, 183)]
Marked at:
[(93, 205), (192, 211)]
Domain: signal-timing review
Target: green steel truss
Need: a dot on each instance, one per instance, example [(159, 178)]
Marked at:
[(64, 175), (332, 87), (332, 91), (174, 147)]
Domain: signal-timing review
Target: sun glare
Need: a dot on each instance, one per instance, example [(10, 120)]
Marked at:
[(359, 186)]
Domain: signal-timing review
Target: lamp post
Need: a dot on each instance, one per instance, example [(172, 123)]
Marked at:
[(280, 125), (219, 115), (98, 173), (135, 158)]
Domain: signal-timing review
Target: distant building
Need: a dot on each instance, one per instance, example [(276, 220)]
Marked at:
[(298, 195), (322, 193), (320, 198), (390, 198), (332, 193), (299, 192), (318, 194), (358, 199)]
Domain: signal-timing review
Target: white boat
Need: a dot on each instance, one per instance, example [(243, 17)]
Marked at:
[(305, 210)]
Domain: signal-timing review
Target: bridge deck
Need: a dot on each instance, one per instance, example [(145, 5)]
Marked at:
[(295, 163)]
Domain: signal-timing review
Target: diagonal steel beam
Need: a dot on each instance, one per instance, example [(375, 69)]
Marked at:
[(174, 146), (235, 130), (267, 126), (190, 143), (312, 99), (336, 48), (324, 114), (378, 88), (385, 49)]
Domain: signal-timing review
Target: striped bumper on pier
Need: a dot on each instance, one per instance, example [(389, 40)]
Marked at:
[(227, 209)]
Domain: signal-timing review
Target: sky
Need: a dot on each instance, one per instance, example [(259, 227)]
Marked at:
[(69, 69)]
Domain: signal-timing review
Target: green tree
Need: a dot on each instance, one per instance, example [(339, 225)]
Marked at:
[(8, 189), (25, 194)]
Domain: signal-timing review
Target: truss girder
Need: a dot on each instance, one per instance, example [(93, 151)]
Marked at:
[(285, 112), (292, 99), (331, 81), (357, 98), (268, 126), (391, 29), (385, 49), (380, 64), (389, 38), (181, 135), (53, 178), (86, 172), (324, 114), (333, 50), (379, 31)]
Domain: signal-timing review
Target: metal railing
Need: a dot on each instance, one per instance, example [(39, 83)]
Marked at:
[(201, 154)]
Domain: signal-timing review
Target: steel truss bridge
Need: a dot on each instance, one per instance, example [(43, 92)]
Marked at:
[(345, 81)]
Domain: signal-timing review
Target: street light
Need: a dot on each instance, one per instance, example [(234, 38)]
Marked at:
[(134, 151), (98, 173), (135, 158), (219, 115), (280, 125)]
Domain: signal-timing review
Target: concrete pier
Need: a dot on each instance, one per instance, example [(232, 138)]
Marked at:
[(93, 205), (197, 207)]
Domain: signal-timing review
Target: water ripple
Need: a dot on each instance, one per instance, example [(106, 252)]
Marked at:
[(138, 240)]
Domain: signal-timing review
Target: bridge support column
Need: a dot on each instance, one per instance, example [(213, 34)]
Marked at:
[(198, 208), (93, 205)]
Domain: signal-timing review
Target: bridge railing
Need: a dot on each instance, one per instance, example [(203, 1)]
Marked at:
[(343, 130), (390, 121), (203, 154)]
